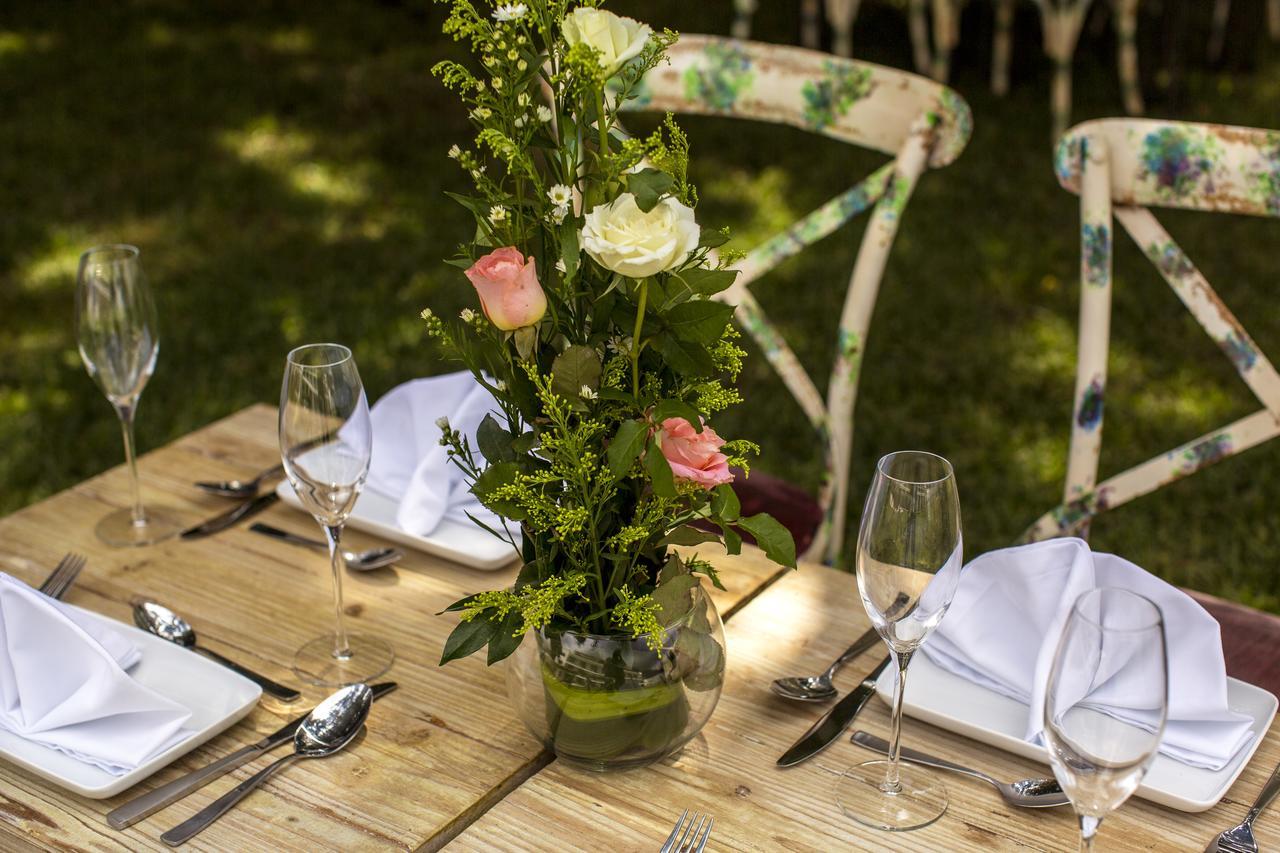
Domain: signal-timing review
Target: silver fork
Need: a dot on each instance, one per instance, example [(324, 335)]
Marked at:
[(694, 837), (64, 574), (1239, 839)]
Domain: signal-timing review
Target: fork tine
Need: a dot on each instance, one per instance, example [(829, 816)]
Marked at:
[(74, 568), (691, 833), (55, 576), (705, 835), (669, 846)]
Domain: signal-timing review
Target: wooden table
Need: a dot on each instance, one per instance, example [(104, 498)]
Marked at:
[(446, 760)]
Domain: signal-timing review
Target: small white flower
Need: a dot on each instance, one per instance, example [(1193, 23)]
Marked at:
[(519, 121), (499, 385), (497, 84), (522, 65), (481, 113), (544, 114), (426, 314), (467, 315), (558, 213), (523, 99), (561, 267), (513, 55), (510, 12), (443, 423), (497, 214), (560, 194), (586, 393), (454, 152)]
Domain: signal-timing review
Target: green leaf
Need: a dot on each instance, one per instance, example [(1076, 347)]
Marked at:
[(506, 638), (649, 186), (687, 535), (570, 251), (710, 571), (574, 368), (659, 469), (459, 604), (711, 239), (707, 282), (494, 476), (772, 537), (494, 441), (672, 568), (725, 504), (700, 660), (627, 444), (732, 540), (674, 598), (469, 637), (685, 357), (677, 409), (701, 321)]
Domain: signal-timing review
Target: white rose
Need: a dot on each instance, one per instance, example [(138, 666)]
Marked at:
[(618, 39), (623, 238)]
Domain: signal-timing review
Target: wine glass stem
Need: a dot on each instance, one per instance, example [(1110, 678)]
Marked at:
[(341, 648), (1088, 829), (891, 783), (126, 414)]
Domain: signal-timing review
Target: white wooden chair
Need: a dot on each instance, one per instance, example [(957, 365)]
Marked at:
[(1122, 168), (917, 122), (1222, 13)]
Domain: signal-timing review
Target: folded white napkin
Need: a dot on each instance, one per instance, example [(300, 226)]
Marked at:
[(63, 684), (1011, 606), (410, 465)]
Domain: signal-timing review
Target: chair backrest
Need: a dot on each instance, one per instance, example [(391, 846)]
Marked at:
[(920, 123), (1125, 166)]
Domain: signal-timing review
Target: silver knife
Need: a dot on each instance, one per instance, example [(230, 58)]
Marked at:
[(166, 795), (222, 521), (828, 729)]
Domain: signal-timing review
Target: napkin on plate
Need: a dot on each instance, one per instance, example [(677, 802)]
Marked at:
[(63, 684), (410, 465), (1011, 606)]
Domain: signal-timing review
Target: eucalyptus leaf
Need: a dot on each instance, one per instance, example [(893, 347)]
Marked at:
[(772, 537), (501, 474), (674, 598), (494, 441)]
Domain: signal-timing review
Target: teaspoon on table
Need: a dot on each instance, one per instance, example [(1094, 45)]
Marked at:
[(329, 728), (357, 561), (240, 488), (818, 688), (167, 625), (1025, 793)]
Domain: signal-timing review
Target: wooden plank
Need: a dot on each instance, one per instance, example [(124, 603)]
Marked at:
[(440, 750), (796, 626)]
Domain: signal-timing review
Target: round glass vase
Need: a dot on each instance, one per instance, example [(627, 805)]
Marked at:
[(612, 702)]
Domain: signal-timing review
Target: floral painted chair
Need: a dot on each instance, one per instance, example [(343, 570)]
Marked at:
[(916, 121)]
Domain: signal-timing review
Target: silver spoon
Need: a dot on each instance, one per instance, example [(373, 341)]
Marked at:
[(1025, 793), (357, 561), (167, 625), (818, 688), (333, 725), (240, 488)]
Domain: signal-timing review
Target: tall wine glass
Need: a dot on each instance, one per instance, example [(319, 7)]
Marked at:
[(116, 334), (908, 564), (1106, 702), (326, 441)]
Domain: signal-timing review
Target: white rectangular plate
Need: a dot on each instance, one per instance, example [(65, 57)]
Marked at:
[(467, 544), (950, 702), (216, 697)]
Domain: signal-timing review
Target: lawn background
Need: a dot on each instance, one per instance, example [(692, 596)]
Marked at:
[(282, 167)]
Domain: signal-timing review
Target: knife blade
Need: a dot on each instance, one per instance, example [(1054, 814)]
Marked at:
[(151, 802), (828, 729), (223, 520)]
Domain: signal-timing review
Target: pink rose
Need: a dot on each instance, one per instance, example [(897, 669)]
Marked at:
[(508, 287), (694, 456)]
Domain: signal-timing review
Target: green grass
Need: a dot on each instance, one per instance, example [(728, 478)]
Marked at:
[(282, 167)]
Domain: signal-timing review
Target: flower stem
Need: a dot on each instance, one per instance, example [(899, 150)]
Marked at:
[(635, 339)]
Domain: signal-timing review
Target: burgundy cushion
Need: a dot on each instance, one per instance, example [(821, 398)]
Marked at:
[(1250, 639), (791, 505)]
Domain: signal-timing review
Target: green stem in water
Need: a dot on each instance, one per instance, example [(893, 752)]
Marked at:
[(635, 339), (601, 125)]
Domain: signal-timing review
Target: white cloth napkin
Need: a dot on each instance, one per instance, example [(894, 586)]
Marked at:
[(1011, 606), (63, 684), (409, 464)]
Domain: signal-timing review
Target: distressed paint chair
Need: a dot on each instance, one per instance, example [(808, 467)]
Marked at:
[(917, 122), (744, 12), (1124, 167)]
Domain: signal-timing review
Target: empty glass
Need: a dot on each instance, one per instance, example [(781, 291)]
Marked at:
[(326, 441), (116, 334), (1106, 702), (908, 563)]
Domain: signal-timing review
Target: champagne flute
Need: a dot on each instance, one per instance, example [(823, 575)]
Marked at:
[(908, 565), (116, 335), (1106, 702), (326, 441)]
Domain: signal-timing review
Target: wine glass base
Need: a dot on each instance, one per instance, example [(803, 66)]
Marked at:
[(119, 530), (920, 799), (370, 657)]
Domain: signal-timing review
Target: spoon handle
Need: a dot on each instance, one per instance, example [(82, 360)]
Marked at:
[(286, 536), (193, 825), (287, 694), (870, 741)]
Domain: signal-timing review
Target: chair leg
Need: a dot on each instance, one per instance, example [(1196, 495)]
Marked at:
[(743, 13), (919, 28), (1127, 54), (1273, 19), (944, 12), (1218, 31), (841, 14), (1002, 48), (810, 23)]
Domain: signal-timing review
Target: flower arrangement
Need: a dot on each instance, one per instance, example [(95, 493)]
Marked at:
[(598, 336)]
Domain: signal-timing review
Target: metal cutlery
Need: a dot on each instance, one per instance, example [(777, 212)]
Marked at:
[(825, 732), (1025, 793), (694, 837), (223, 520), (818, 688), (64, 574), (1239, 839), (328, 729), (147, 804), (167, 625), (241, 488), (356, 561)]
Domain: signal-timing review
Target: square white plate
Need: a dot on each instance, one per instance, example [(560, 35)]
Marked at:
[(216, 697), (468, 544), (950, 702)]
